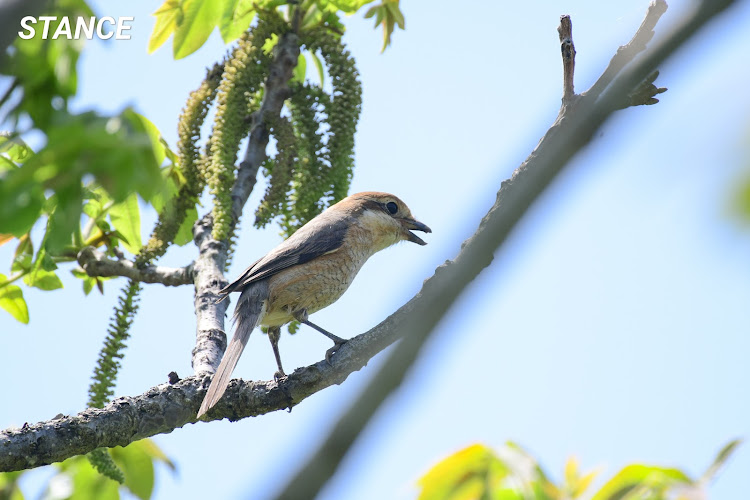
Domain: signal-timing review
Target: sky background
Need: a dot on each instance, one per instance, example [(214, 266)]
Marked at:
[(611, 326)]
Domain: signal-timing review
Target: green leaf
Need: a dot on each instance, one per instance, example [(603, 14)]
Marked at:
[(117, 151), (45, 261), (236, 17), (465, 474), (372, 11), (137, 462), (347, 6), (185, 233), (138, 469), (16, 150), (153, 450), (88, 484), (721, 459), (270, 43), (46, 69), (389, 15), (638, 475), (166, 22), (6, 164), (9, 489), (126, 218), (94, 209), (23, 255), (300, 70), (20, 204), (395, 11), (583, 483), (158, 144), (64, 220), (199, 17), (11, 299), (319, 65), (43, 280), (88, 281)]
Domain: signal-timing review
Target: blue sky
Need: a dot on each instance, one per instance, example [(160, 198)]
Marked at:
[(611, 326)]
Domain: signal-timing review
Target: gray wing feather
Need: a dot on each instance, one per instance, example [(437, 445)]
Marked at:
[(322, 235)]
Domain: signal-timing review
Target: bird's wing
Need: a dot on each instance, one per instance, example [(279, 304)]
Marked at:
[(320, 236)]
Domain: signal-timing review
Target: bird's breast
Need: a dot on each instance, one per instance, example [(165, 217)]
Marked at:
[(313, 285)]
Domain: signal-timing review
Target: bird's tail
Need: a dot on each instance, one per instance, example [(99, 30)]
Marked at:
[(247, 315)]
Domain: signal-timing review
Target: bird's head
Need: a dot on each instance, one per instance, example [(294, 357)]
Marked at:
[(384, 216)]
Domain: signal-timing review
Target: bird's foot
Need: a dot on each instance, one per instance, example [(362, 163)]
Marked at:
[(279, 375), (333, 350)]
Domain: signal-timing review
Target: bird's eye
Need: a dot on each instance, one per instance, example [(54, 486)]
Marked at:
[(392, 207)]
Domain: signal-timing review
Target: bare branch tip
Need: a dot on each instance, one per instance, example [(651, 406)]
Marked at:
[(568, 52)]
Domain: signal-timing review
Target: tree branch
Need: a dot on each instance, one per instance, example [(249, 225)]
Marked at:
[(97, 264), (167, 407), (211, 341), (626, 53)]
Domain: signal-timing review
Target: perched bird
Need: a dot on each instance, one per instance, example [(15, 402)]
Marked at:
[(309, 271)]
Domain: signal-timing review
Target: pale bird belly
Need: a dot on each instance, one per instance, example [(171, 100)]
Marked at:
[(310, 286)]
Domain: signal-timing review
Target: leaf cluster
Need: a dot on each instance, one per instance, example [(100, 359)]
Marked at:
[(77, 478), (191, 22), (513, 474)]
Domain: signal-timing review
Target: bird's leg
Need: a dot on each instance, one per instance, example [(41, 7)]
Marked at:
[(274, 333), (301, 316)]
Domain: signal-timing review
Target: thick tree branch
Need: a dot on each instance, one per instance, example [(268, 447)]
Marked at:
[(97, 264), (167, 407), (211, 341)]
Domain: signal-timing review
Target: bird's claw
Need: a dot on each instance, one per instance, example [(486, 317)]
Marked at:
[(333, 350), (279, 375)]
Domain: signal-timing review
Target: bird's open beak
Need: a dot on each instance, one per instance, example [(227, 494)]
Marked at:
[(417, 226)]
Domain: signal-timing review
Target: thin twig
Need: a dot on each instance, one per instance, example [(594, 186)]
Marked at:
[(568, 50), (637, 44), (97, 264)]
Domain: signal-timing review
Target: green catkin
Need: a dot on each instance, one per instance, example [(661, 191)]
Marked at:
[(343, 112), (105, 465), (310, 185), (108, 363), (191, 164), (107, 367), (324, 127), (243, 78), (279, 171)]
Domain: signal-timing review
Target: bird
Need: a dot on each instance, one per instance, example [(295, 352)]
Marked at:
[(309, 271)]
